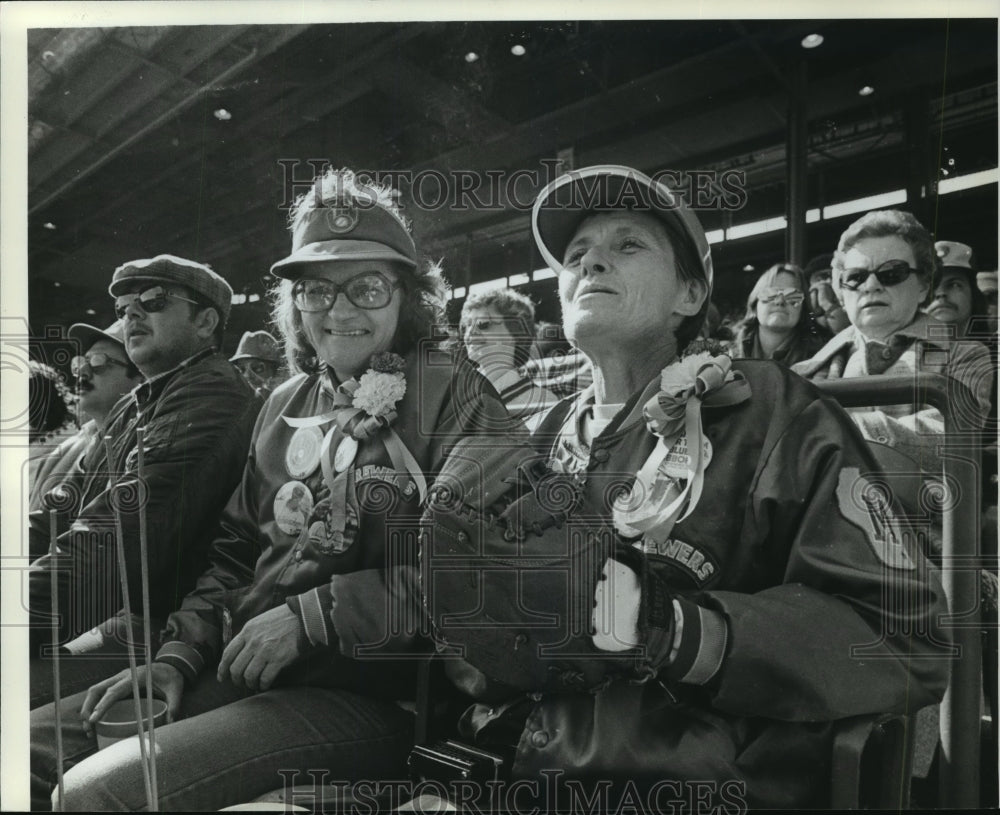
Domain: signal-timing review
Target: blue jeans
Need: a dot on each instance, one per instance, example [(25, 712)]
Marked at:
[(228, 748)]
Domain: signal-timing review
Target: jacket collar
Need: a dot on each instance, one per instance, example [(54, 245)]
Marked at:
[(851, 338), (151, 389)]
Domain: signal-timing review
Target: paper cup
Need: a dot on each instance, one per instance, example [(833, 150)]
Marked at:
[(119, 721)]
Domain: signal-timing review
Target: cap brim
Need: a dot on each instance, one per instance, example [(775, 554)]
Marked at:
[(564, 203), (123, 285), (238, 357), (292, 266), (87, 335)]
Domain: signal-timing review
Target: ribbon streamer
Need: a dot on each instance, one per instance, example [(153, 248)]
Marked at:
[(354, 422), (340, 485), (655, 503)]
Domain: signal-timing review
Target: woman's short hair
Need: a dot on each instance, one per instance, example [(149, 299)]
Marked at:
[(424, 287), (512, 305), (885, 223)]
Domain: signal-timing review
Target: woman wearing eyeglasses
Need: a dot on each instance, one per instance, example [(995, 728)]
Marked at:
[(778, 323), (293, 646), (884, 270)]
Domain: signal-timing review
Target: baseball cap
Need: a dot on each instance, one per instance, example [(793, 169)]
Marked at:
[(346, 227), (954, 255), (257, 345), (564, 203), (86, 335), (987, 282), (820, 263), (197, 277)]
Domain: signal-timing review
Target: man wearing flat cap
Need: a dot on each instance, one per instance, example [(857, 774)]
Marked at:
[(104, 374), (197, 414), (258, 358)]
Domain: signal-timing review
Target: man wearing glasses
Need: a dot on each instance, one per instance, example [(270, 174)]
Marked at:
[(104, 374), (258, 358), (197, 413)]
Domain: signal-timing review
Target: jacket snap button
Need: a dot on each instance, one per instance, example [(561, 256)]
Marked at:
[(462, 537), (298, 556), (520, 640), (886, 353), (601, 455), (539, 738)]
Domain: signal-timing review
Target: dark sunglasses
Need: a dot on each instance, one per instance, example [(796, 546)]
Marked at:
[(93, 362), (150, 300), (368, 290), (890, 273)]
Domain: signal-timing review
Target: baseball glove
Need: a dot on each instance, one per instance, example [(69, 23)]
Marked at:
[(510, 559)]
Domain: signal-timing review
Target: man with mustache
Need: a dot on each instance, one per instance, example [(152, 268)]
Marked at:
[(104, 374), (197, 412)]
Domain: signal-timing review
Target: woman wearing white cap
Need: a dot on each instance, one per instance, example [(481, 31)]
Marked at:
[(293, 645), (724, 507)]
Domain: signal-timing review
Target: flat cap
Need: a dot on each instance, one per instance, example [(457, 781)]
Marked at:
[(167, 269)]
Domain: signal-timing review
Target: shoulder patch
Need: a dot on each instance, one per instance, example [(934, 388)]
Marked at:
[(868, 505)]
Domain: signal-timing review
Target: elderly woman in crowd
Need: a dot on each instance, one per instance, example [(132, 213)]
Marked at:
[(283, 656), (714, 519), (779, 324), (884, 268)]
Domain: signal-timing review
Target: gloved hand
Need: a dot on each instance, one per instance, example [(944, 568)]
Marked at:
[(509, 564), (674, 638)]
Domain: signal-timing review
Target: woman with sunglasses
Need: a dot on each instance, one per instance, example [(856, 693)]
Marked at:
[(294, 645), (779, 324), (884, 271)]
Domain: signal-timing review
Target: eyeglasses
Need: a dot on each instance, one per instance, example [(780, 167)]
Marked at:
[(368, 290), (150, 300), (793, 297), (487, 325), (890, 273), (260, 367), (94, 362)]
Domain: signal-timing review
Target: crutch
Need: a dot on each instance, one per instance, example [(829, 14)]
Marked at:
[(147, 639), (54, 578), (123, 577)]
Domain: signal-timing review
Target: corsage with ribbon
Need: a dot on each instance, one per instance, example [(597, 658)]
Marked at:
[(363, 409), (669, 484)]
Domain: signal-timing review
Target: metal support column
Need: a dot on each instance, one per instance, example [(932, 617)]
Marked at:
[(920, 168), (797, 165)]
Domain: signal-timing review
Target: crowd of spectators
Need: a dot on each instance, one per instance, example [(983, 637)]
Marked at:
[(279, 562)]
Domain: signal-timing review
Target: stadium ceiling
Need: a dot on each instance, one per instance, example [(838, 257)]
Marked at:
[(185, 139)]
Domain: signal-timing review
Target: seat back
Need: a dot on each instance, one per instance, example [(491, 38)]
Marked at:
[(960, 563)]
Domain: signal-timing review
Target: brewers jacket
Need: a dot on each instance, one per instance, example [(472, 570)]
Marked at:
[(826, 605)]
